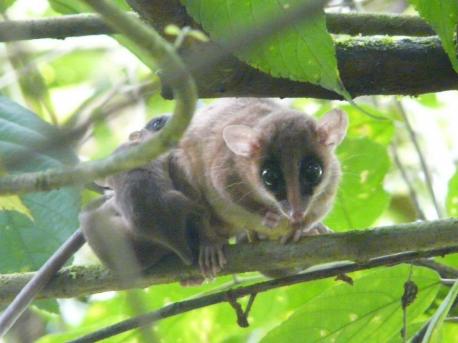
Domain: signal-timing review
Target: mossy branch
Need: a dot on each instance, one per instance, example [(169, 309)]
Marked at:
[(424, 239), (79, 25)]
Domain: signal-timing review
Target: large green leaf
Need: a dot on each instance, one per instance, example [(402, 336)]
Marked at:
[(361, 198), (28, 238), (442, 15), (368, 311), (303, 52)]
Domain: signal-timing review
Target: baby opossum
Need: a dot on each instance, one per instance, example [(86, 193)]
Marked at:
[(261, 167), (145, 211)]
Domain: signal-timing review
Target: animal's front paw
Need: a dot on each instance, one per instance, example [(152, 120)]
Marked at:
[(211, 259), (316, 229), (271, 219)]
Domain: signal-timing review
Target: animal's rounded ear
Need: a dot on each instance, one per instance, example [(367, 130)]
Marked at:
[(332, 128), (242, 140)]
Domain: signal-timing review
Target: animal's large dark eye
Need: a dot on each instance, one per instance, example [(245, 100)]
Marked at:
[(271, 177), (311, 170), (157, 123)]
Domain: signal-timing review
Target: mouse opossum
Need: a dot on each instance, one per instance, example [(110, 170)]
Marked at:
[(146, 211), (261, 167), (249, 165)]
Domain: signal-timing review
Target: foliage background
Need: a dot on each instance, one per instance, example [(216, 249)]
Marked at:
[(75, 76)]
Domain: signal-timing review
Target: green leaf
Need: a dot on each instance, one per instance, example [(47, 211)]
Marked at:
[(303, 52), (452, 196), (26, 241), (429, 100), (361, 125), (14, 203), (370, 310), (76, 67), (449, 332), (5, 4), (434, 327), (361, 198), (442, 15)]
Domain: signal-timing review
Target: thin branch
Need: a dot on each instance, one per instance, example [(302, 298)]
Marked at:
[(220, 297), (443, 270), (57, 27), (422, 237), (367, 65), (184, 92), (39, 281), (79, 25), (424, 165), (175, 74), (405, 177)]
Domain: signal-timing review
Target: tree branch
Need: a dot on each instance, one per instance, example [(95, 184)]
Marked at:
[(79, 25), (367, 65), (424, 238), (238, 292)]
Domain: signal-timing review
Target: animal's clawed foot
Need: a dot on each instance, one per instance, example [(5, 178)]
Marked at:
[(271, 219), (211, 260), (192, 281), (317, 229), (298, 232)]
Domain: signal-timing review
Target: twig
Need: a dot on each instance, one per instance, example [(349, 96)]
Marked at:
[(443, 270), (405, 177), (212, 299), (424, 166), (242, 320)]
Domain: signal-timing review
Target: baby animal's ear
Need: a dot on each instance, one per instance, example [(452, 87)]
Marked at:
[(332, 128), (136, 136), (242, 140)]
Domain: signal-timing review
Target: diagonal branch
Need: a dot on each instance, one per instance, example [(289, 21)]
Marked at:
[(424, 239), (184, 92), (175, 74), (238, 292)]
